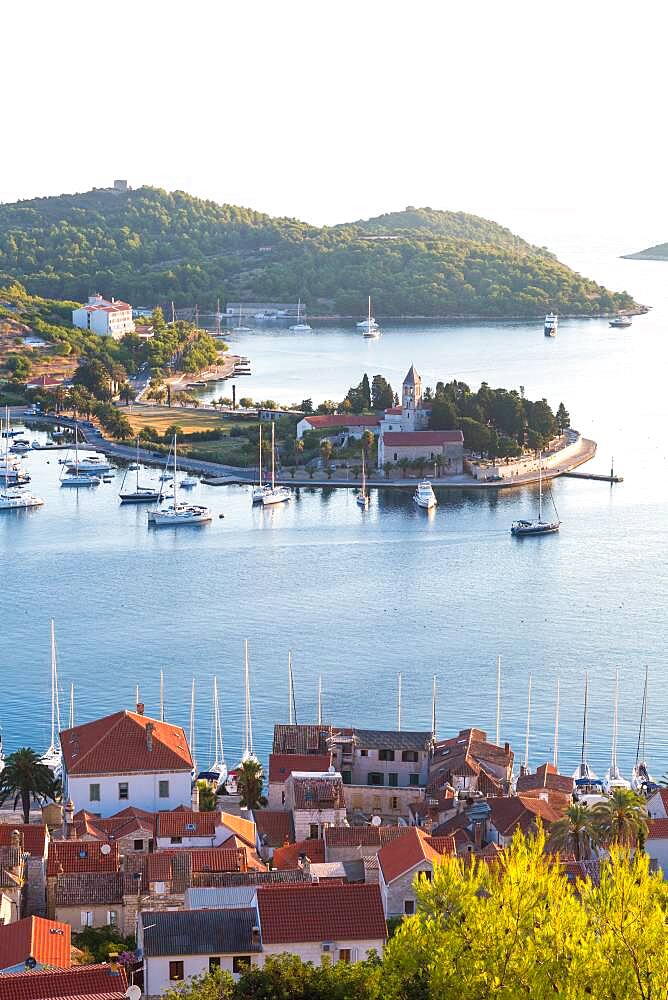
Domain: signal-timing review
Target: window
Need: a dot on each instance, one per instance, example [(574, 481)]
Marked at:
[(93, 793), (176, 840), (163, 791), (409, 907), (375, 778), (386, 755), (409, 756), (344, 955), (347, 777), (112, 918), (414, 779), (123, 790), (394, 802), (240, 963), (137, 845), (214, 962), (364, 753), (426, 875), (313, 831), (86, 918), (393, 779), (176, 971)]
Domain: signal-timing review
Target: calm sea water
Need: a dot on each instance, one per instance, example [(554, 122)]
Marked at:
[(357, 596)]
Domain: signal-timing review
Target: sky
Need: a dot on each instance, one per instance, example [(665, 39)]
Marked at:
[(337, 111)]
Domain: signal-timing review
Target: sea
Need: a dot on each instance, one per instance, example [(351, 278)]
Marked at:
[(357, 597)]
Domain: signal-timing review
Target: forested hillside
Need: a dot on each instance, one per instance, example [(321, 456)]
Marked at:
[(150, 246)]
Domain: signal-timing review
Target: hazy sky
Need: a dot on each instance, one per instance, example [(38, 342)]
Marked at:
[(334, 111)]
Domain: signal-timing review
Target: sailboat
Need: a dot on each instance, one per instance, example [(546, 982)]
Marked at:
[(14, 497), (2, 754), (612, 778), (539, 527), (260, 490), (368, 327), (217, 772), (274, 494), (140, 494), (642, 781), (77, 478), (178, 513), (240, 328), (362, 499), (191, 733), (248, 753), (53, 757), (588, 787), (300, 327)]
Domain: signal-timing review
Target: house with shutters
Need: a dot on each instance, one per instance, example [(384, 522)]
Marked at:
[(402, 861), (126, 759), (67, 864), (34, 943)]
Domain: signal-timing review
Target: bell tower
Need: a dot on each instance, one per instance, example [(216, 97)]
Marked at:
[(411, 400)]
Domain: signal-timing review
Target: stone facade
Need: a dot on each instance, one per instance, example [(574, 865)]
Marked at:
[(399, 896)]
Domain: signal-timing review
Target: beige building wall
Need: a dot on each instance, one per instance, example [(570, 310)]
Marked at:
[(312, 951), (382, 800), (72, 915)]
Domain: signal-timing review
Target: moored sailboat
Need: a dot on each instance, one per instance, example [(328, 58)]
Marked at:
[(362, 499), (299, 327), (368, 327), (588, 789), (524, 527), (77, 477), (178, 513), (216, 773), (140, 494), (642, 781), (53, 756), (274, 494), (612, 779)]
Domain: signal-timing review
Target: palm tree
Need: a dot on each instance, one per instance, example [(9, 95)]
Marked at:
[(575, 832), (621, 819), (250, 779), (28, 780), (404, 464)]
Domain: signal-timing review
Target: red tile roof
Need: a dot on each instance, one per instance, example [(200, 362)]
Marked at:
[(240, 827), (81, 982), (291, 914), (121, 824), (34, 837), (319, 421), (47, 941), (663, 795), (410, 439), (288, 857), (274, 827), (69, 856), (658, 829), (519, 811), (281, 765), (118, 744), (547, 777), (187, 823), (407, 852), (394, 411)]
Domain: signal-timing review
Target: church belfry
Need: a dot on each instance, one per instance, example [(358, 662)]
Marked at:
[(411, 400)]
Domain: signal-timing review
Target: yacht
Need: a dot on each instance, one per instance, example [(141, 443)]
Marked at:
[(613, 779), (551, 325), (424, 495), (261, 488), (178, 513), (362, 499), (587, 788), (274, 494), (17, 499), (620, 321), (77, 477), (92, 463), (20, 447), (53, 757), (216, 773), (140, 494), (642, 781), (368, 327), (299, 327), (540, 527)]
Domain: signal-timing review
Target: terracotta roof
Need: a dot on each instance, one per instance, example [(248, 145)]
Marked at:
[(509, 814), (47, 941), (302, 739), (469, 754), (409, 439), (321, 912), (407, 852), (281, 765), (546, 776), (274, 827), (122, 824), (288, 857), (68, 856), (394, 411), (253, 860), (221, 880), (34, 837), (91, 887), (657, 829), (319, 421), (575, 870), (444, 845), (240, 827), (318, 793), (362, 836), (187, 823), (118, 744), (97, 982)]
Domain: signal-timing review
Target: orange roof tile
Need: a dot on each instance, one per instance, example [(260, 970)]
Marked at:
[(274, 827), (69, 856), (281, 765), (290, 914), (47, 941), (288, 857), (81, 982), (658, 829), (118, 744), (407, 852), (187, 823), (244, 828), (34, 836)]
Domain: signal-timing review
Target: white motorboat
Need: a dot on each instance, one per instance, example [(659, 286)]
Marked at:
[(17, 499), (612, 780), (540, 527), (299, 327), (274, 494), (20, 447), (362, 498), (424, 495), (621, 321), (642, 781), (551, 325), (368, 327), (53, 757), (93, 463), (189, 481), (177, 513)]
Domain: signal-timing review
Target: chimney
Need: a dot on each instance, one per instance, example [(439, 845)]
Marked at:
[(149, 736), (506, 747), (304, 862), (140, 708), (16, 840), (194, 798), (477, 835), (68, 818)]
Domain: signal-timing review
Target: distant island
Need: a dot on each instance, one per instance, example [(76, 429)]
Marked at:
[(659, 252), (149, 246)]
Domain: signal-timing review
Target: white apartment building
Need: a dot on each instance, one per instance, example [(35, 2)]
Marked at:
[(111, 318)]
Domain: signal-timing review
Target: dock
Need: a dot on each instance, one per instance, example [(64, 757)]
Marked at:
[(593, 475)]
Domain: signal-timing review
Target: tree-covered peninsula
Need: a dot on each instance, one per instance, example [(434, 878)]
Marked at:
[(151, 246)]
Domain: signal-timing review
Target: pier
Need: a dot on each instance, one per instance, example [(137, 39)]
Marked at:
[(592, 475)]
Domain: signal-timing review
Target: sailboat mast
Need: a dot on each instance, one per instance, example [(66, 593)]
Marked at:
[(399, 702), (191, 734), (291, 719), (526, 740), (433, 707), (320, 700), (615, 713), (643, 722), (249, 721), (71, 719), (540, 486), (369, 316), (162, 697), (584, 726), (273, 484), (555, 757), (137, 463), (498, 700), (260, 458), (55, 701), (176, 486)]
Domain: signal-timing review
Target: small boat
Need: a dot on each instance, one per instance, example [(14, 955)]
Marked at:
[(274, 494), (20, 447), (140, 494), (368, 327), (189, 481), (613, 779), (587, 788), (165, 477), (620, 321), (362, 499), (96, 464), (540, 527), (299, 327), (176, 514), (551, 325), (216, 774), (35, 444), (642, 781), (260, 490), (240, 328), (78, 478), (424, 495), (53, 757), (15, 498)]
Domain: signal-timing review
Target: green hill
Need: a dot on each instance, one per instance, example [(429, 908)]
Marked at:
[(151, 245)]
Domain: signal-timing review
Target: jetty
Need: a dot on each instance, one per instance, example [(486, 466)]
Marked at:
[(593, 475)]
